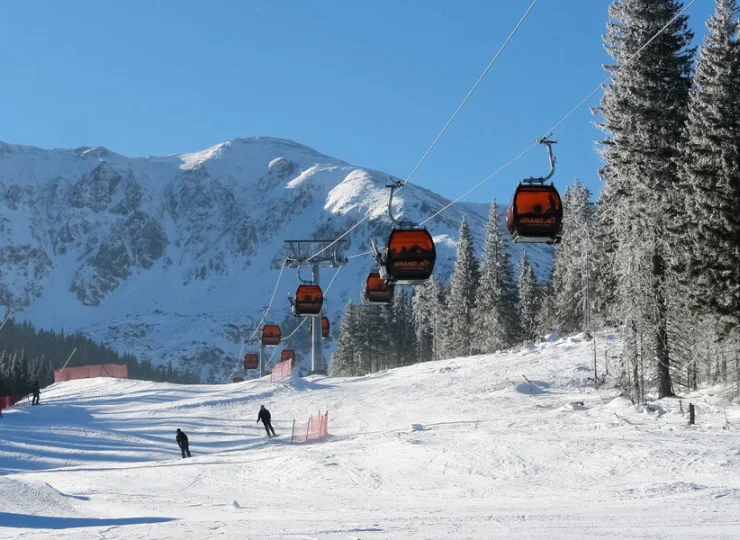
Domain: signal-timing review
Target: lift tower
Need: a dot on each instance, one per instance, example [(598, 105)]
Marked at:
[(315, 254)]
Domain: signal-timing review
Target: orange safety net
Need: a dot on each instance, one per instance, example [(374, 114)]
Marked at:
[(119, 371), (280, 372), (9, 401), (316, 427)]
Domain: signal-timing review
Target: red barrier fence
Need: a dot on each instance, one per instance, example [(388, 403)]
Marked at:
[(8, 401), (119, 371), (280, 372), (316, 427)]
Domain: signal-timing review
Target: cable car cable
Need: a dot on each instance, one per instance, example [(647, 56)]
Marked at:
[(286, 338), (447, 125), (264, 316), (567, 116)]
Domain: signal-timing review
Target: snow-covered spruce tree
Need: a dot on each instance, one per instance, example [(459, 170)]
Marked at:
[(572, 277), (421, 307), (401, 328), (644, 112), (711, 173), (430, 320), (343, 358), (529, 299), (494, 317), (376, 351), (463, 287)]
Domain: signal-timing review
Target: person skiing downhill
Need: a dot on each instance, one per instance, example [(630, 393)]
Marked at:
[(265, 416), (182, 442)]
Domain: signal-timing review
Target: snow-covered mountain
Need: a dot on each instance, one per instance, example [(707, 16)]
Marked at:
[(175, 257)]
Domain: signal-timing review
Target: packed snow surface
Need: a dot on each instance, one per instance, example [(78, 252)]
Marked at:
[(511, 445)]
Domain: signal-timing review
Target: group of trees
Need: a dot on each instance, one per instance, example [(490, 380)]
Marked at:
[(657, 255), (483, 308), (668, 230), (28, 355)]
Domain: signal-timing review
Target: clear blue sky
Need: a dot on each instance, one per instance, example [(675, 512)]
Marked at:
[(367, 82)]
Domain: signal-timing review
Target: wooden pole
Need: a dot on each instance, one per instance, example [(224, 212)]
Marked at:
[(692, 415)]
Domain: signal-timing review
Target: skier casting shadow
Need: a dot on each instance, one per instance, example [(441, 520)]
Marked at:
[(182, 442), (265, 416)]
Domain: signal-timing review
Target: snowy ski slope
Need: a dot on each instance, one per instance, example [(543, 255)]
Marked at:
[(458, 449)]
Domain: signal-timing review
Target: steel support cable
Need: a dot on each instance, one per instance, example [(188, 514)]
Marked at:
[(264, 316), (567, 115), (447, 125), (286, 338)]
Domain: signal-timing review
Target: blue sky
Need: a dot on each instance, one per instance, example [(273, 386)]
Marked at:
[(371, 83)]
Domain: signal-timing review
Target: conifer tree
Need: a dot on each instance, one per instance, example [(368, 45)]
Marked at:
[(342, 360), (463, 286), (421, 306), (644, 112), (494, 320), (529, 299), (572, 287), (711, 172)]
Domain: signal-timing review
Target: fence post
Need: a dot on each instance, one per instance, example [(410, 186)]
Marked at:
[(691, 414), (308, 427), (292, 432)]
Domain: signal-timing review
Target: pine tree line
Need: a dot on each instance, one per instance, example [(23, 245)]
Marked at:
[(28, 354), (657, 255)]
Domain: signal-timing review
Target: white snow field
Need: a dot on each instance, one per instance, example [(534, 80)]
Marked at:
[(457, 449)]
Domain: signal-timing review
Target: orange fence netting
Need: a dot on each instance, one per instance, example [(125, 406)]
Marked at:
[(119, 371), (316, 427), (280, 372)]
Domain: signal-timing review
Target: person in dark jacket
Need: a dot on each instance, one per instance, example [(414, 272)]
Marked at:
[(265, 416), (36, 393), (182, 442)]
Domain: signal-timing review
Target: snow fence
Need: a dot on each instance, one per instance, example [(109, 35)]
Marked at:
[(280, 372), (9, 401), (119, 371), (316, 427)]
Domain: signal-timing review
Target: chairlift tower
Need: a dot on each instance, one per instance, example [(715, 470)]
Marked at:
[(315, 253)]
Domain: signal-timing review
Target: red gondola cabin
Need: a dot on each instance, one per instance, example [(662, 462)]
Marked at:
[(410, 255), (251, 361), (271, 335), (377, 291), (288, 354), (325, 327), (308, 300), (535, 214)]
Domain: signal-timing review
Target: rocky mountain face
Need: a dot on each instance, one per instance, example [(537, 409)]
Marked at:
[(175, 257)]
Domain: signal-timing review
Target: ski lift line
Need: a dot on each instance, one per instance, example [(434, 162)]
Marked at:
[(470, 93), (286, 338), (264, 316), (567, 115), (449, 122), (361, 254), (479, 184), (619, 68)]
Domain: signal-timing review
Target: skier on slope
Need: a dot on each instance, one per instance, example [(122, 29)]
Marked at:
[(36, 393), (182, 442), (265, 416)]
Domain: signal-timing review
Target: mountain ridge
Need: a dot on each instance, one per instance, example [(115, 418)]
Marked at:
[(174, 257)]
